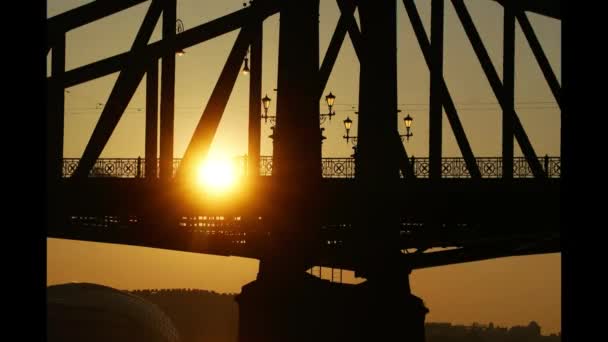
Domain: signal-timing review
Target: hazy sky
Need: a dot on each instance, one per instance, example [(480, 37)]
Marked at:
[(505, 291)]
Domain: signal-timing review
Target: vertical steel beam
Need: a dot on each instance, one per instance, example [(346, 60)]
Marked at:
[(296, 164), (347, 8), (565, 150), (450, 108), (167, 95), (152, 120), (377, 154), (255, 97), (379, 148), (508, 79), (56, 106), (497, 86), (297, 134), (541, 58), (436, 91)]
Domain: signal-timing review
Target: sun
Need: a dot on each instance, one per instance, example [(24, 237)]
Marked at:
[(217, 175)]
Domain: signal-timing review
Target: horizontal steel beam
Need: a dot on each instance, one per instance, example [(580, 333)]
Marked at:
[(549, 8), (484, 252), (188, 38), (85, 14)]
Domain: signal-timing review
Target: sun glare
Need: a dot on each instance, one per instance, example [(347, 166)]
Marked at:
[(217, 175)]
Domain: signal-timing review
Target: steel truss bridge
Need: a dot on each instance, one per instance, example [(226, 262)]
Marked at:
[(469, 175), (377, 214)]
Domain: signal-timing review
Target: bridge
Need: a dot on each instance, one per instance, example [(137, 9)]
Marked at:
[(215, 228), (381, 213)]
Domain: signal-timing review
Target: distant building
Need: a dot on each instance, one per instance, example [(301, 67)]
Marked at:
[(446, 332)]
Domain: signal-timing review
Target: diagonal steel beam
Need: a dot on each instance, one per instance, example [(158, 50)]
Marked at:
[(121, 94), (497, 86), (205, 130), (541, 58), (156, 50), (353, 29), (549, 8), (335, 44), (448, 103)]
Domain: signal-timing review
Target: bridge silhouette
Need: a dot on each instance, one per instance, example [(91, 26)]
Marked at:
[(381, 214), (219, 228)]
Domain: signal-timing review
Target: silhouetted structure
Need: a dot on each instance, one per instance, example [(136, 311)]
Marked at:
[(91, 312), (201, 315), (296, 219)]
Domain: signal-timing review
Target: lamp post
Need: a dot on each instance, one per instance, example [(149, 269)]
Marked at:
[(408, 124), (352, 139), (266, 103), (329, 99), (347, 125), (246, 66), (179, 29)]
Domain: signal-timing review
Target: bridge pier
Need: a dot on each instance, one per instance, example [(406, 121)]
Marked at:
[(306, 308)]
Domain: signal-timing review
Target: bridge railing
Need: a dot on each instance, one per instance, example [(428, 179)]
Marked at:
[(490, 167)]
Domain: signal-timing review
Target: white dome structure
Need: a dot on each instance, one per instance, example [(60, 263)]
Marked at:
[(91, 312)]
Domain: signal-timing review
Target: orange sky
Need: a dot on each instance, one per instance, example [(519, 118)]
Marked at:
[(505, 291)]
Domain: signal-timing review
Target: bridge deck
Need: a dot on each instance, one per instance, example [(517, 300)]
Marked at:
[(486, 218)]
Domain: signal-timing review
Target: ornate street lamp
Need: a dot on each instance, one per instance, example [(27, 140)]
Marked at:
[(408, 124), (347, 125), (179, 29), (266, 103), (329, 99)]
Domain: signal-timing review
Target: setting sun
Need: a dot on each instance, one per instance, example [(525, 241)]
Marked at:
[(217, 175)]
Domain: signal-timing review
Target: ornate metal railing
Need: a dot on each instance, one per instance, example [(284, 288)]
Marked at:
[(490, 167)]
